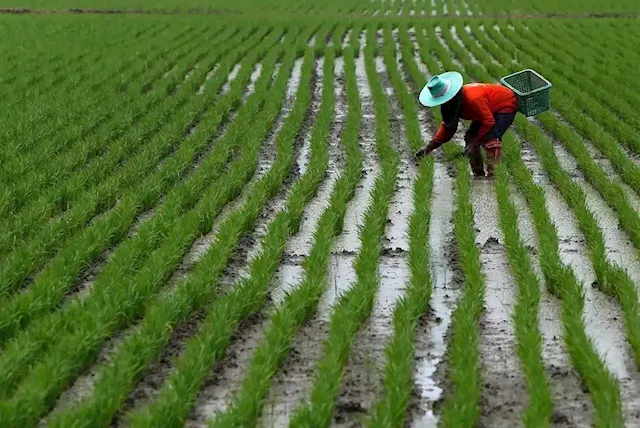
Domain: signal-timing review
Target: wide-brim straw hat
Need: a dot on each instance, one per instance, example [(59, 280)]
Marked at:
[(441, 88)]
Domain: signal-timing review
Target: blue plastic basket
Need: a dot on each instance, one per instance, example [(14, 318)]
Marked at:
[(532, 90)]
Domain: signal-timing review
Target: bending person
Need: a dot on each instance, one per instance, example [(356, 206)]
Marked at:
[(491, 108)]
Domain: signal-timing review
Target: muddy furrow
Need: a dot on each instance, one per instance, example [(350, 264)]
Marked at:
[(362, 382), (602, 315), (232, 76), (293, 380), (289, 272), (432, 331), (227, 374), (504, 393)]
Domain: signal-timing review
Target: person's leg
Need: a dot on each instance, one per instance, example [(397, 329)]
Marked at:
[(493, 140), (475, 160)]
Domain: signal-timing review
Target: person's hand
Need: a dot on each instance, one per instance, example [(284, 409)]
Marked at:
[(470, 146), (425, 150)]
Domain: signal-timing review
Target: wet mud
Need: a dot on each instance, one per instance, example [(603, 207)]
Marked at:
[(504, 393), (226, 377), (601, 160), (432, 332), (232, 76)]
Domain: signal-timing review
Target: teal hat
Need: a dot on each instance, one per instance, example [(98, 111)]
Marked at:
[(441, 89)]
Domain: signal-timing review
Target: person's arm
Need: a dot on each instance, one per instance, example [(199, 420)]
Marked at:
[(444, 134)]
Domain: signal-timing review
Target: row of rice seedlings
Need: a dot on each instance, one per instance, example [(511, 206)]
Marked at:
[(615, 114), (355, 306), (610, 278), (462, 404), (57, 108), (178, 394), (587, 115), (113, 291), (81, 182), (526, 311), (59, 156), (118, 376), (610, 190), (299, 305), (108, 230), (560, 280), (45, 382), (392, 406)]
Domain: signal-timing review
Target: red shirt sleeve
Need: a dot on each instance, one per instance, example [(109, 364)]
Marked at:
[(444, 134), (483, 112)]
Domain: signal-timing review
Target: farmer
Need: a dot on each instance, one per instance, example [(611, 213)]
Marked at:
[(491, 108)]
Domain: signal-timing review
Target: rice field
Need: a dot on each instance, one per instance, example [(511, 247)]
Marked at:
[(210, 215)]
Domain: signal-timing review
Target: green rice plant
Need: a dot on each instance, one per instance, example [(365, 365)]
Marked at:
[(114, 291), (526, 311), (178, 394), (54, 281), (138, 349), (391, 408), (354, 306), (462, 404), (33, 217), (302, 301), (561, 281)]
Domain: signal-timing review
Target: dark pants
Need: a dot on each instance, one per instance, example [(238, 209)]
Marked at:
[(492, 142)]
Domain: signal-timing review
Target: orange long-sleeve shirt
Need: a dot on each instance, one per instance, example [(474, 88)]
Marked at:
[(479, 103)]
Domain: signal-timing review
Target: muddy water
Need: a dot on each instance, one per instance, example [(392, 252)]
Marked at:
[(252, 81), (602, 315), (504, 393), (290, 272), (620, 249), (206, 79), (454, 59), (605, 164), (431, 341), (303, 159), (572, 404), (232, 76), (348, 243), (457, 39), (228, 374), (469, 31)]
